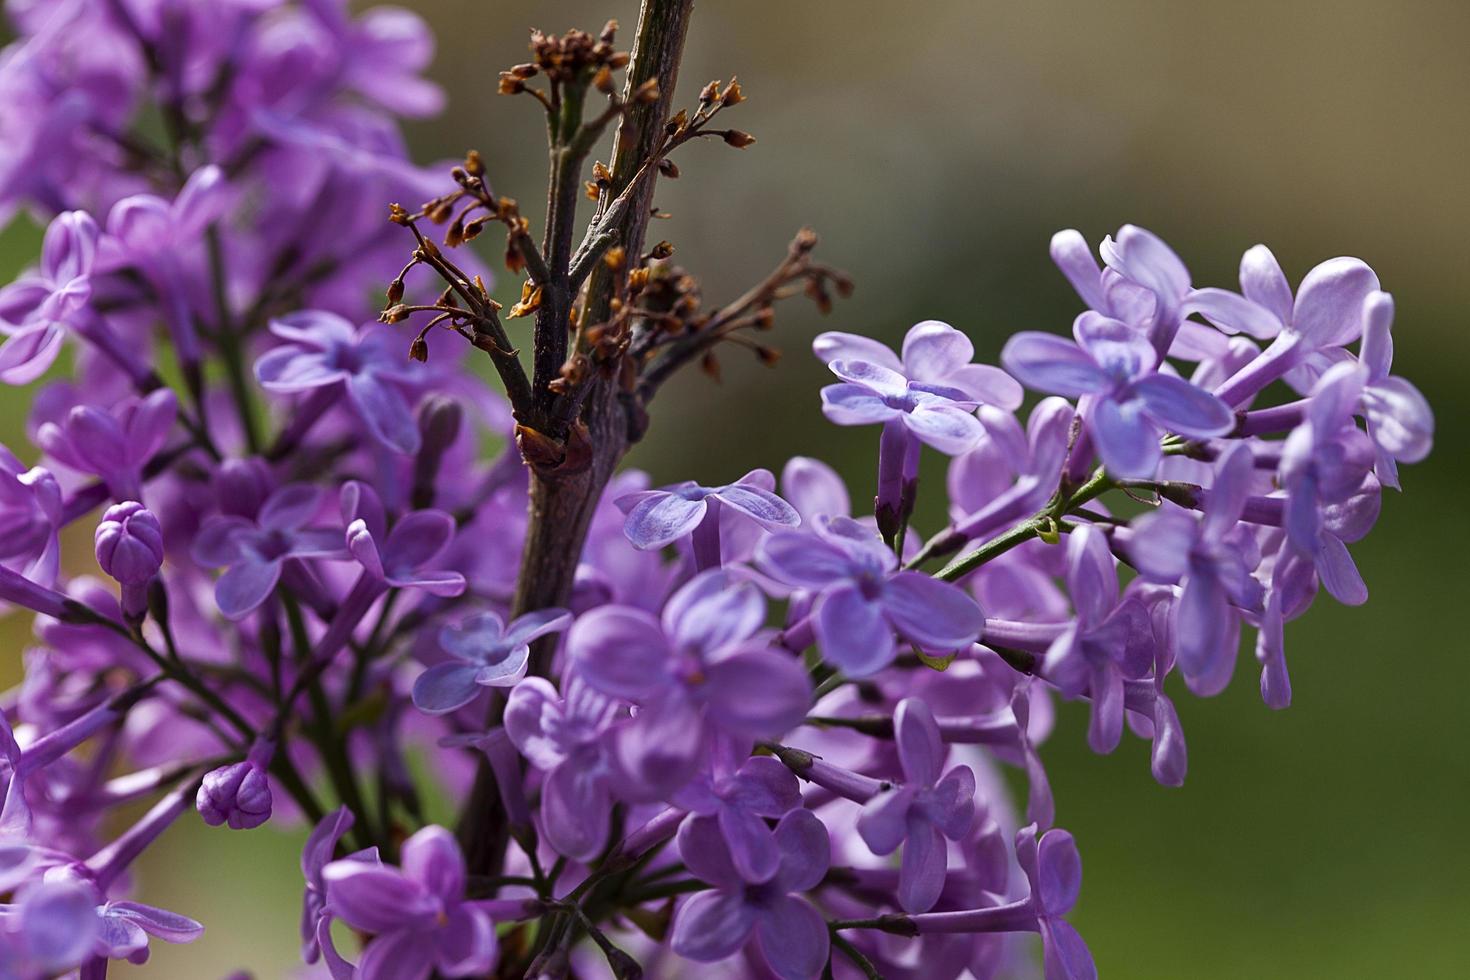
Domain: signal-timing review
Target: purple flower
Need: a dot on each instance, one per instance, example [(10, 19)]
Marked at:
[(417, 913), (320, 848), (1323, 462), (814, 489), (695, 669), (1054, 872), (1400, 421), (1143, 258), (62, 925), (30, 515), (660, 517), (1209, 559), (737, 799), (486, 653), (113, 445), (254, 552), (934, 353), (382, 54), (567, 738), (1109, 640), (1012, 472), (921, 812), (322, 350), (862, 599), (37, 309), (416, 540), (790, 934), (238, 794), (129, 547), (1327, 312), (1131, 404)]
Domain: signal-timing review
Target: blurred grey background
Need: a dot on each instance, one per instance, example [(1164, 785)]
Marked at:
[(936, 145)]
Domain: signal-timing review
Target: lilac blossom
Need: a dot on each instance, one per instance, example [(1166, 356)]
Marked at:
[(1132, 404), (696, 671), (657, 518), (923, 811), (239, 794), (737, 798), (1400, 422), (787, 930), (113, 445), (129, 547), (486, 653), (318, 852), (567, 739), (36, 310), (1209, 559), (255, 552), (863, 600), (30, 516), (416, 913), (323, 351)]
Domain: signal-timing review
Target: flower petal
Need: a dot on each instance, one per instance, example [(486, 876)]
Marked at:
[(921, 750), (385, 412), (1127, 441), (757, 693), (934, 615), (662, 518), (852, 633), (837, 346), (848, 404), (793, 939), (1055, 365), (446, 687), (244, 586), (620, 651), (1329, 303), (712, 925), (1183, 408)]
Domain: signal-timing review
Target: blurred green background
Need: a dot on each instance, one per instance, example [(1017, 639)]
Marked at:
[(936, 145)]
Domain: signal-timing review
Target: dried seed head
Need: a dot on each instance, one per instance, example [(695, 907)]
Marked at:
[(767, 355), (600, 173), (394, 314), (668, 168), (615, 257), (710, 365), (738, 139), (603, 80), (454, 235), (609, 31), (473, 228), (418, 349), (398, 215), (474, 165), (395, 291), (733, 95), (647, 92), (530, 301), (661, 251), (510, 84), (523, 71), (709, 93)]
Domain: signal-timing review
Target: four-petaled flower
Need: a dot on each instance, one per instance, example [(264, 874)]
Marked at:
[(486, 653), (1129, 404), (37, 309), (921, 812)]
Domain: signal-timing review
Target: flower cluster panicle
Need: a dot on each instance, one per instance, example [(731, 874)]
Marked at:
[(744, 723)]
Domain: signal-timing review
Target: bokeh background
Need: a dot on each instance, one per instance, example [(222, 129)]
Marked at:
[(936, 145)]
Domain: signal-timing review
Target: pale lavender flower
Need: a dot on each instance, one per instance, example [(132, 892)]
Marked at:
[(934, 353), (320, 850), (1209, 559), (789, 933), (1054, 872), (415, 541), (323, 350), (255, 552), (30, 516), (863, 599), (1131, 404), (922, 811), (1400, 421), (486, 653), (695, 671), (36, 310), (568, 739), (417, 913), (660, 517)]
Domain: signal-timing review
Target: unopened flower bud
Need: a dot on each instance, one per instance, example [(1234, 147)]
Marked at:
[(440, 419), (238, 795), (129, 546)]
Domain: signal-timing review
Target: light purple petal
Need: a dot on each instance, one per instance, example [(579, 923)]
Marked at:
[(403, 955), (702, 845), (1092, 577), (1183, 408), (752, 845), (1058, 872), (814, 489), (764, 786), (1399, 419), (793, 938), (1046, 362), (1066, 955), (220, 540), (574, 811), (1127, 441), (884, 821), (1072, 256), (620, 651), (1329, 304), (244, 586), (374, 898), (1160, 543), (803, 560), (1263, 282), (757, 693), (291, 369), (988, 385), (385, 412), (417, 539), (922, 867), (30, 352), (711, 926), (1117, 348), (1233, 476), (837, 346), (465, 945), (713, 611), (662, 518), (1338, 572), (932, 350), (934, 615), (160, 923), (806, 851), (852, 633), (880, 380), (532, 720), (534, 625), (847, 404), (290, 507), (921, 750), (316, 328), (1233, 313), (446, 687), (947, 428), (660, 750), (761, 506), (1105, 726), (1202, 627)]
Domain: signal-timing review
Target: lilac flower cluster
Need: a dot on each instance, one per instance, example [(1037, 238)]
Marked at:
[(758, 729)]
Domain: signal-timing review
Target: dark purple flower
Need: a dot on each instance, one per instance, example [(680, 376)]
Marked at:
[(695, 668), (416, 540), (113, 445), (921, 812), (567, 739), (254, 552), (129, 547), (486, 653), (417, 913), (323, 350), (862, 599), (737, 799), (1054, 872), (36, 310), (790, 934), (1209, 559), (1131, 404)]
